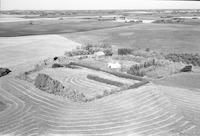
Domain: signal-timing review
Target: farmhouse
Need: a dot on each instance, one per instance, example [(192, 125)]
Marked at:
[(99, 54), (114, 65)]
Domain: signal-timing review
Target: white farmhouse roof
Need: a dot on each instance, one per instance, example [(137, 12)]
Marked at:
[(114, 65), (99, 53)]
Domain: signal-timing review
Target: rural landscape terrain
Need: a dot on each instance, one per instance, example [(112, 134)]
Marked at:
[(100, 72)]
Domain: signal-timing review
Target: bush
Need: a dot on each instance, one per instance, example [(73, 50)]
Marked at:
[(55, 58), (147, 49), (68, 54), (106, 93), (186, 69), (71, 66), (108, 52), (136, 70), (76, 52), (139, 69), (31, 23), (4, 71), (90, 49), (136, 85), (56, 65), (99, 96), (124, 51)]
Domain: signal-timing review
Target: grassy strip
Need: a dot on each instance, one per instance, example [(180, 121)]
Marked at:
[(103, 80), (118, 74)]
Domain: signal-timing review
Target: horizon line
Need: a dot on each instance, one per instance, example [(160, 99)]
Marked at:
[(101, 9)]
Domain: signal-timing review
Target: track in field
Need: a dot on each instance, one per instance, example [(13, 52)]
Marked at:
[(138, 112)]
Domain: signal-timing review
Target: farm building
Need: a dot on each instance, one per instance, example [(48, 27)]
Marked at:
[(114, 65), (99, 54)]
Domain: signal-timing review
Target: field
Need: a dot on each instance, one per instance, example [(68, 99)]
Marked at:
[(54, 26), (161, 37), (162, 102), (18, 52), (144, 111), (181, 80)]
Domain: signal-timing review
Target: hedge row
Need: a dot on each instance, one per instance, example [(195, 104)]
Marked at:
[(193, 59), (136, 85), (106, 81), (124, 51)]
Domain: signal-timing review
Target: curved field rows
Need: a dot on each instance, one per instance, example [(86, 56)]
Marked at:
[(77, 79), (145, 111)]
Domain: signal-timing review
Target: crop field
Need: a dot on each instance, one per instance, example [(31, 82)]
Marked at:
[(144, 111)]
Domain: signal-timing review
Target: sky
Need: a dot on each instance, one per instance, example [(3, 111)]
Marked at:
[(96, 4)]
